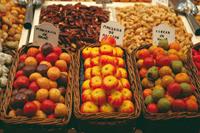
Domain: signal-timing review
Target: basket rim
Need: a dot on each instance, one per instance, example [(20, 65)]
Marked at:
[(37, 121), (100, 116), (167, 115)]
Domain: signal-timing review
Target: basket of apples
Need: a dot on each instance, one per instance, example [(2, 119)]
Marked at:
[(167, 86), (40, 91), (105, 92)]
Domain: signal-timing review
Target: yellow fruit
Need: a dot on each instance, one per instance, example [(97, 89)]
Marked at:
[(30, 61), (166, 80), (65, 56), (53, 73), (60, 110), (165, 70), (182, 77), (43, 83), (42, 94), (158, 82), (53, 84), (62, 65), (35, 76)]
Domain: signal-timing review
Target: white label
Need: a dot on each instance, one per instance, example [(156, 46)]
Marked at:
[(161, 2), (163, 31), (114, 29), (46, 33)]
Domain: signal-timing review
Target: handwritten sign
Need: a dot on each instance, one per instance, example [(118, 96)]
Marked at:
[(163, 31), (46, 33), (114, 29), (161, 2)]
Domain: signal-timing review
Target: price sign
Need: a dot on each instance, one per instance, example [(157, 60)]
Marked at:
[(161, 2), (114, 29), (46, 33), (163, 31)]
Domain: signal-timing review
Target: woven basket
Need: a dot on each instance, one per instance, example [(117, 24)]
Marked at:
[(12, 53), (99, 118), (36, 121), (168, 115)]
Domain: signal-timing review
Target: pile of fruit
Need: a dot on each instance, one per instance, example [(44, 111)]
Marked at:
[(106, 87), (166, 84), (40, 83), (196, 58)]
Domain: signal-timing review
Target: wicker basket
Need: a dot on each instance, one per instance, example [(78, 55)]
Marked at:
[(12, 53), (109, 119), (36, 121), (168, 115)]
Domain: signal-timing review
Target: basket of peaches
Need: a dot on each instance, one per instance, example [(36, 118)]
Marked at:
[(105, 91), (40, 88), (169, 91)]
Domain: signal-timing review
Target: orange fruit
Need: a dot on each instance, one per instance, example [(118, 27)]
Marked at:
[(32, 51), (66, 57), (46, 63), (30, 61), (192, 97), (166, 80), (170, 98), (43, 83), (62, 65), (175, 46), (173, 57), (35, 76), (53, 84), (147, 92), (191, 105), (158, 51), (182, 77), (53, 73)]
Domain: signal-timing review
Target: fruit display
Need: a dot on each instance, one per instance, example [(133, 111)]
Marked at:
[(105, 87), (139, 20), (78, 23), (40, 83), (11, 23), (167, 87)]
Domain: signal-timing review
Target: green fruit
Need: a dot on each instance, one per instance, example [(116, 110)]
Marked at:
[(152, 73), (148, 100), (157, 94), (164, 105), (177, 66), (186, 89), (163, 43)]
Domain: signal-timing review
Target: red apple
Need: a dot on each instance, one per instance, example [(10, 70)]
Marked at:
[(119, 86), (22, 82), (163, 61), (86, 53), (95, 52), (110, 82), (87, 63), (86, 95), (118, 52), (123, 72), (98, 96), (174, 89), (95, 61), (143, 53), (106, 50), (178, 105), (120, 62), (38, 104), (39, 57), (89, 107), (34, 86), (148, 62), (96, 82), (48, 106), (57, 50), (108, 40), (86, 85), (52, 58), (126, 107), (88, 73), (125, 83), (22, 57), (143, 72), (152, 108), (115, 99), (126, 94), (108, 69), (106, 108), (118, 73), (96, 71), (30, 108), (196, 58), (19, 73), (106, 59)]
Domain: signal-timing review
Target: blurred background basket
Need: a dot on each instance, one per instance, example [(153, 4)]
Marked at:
[(108, 119), (169, 115), (36, 121)]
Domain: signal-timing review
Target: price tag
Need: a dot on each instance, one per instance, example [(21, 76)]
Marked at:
[(46, 33), (161, 2), (163, 31), (114, 29)]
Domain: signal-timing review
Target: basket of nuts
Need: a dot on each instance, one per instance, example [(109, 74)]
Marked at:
[(169, 91), (105, 92), (40, 91)]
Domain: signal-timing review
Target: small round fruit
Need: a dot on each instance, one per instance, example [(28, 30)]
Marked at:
[(22, 57), (53, 84), (57, 50), (30, 109), (166, 80), (48, 106), (46, 63), (148, 100), (96, 82), (126, 107), (30, 61), (54, 94), (62, 99), (40, 114), (158, 93), (165, 70), (12, 113), (152, 108), (62, 65), (65, 56), (33, 86), (126, 94), (98, 96), (34, 76), (115, 99), (106, 108), (86, 85), (147, 92), (164, 105), (61, 110), (42, 94), (110, 82), (37, 103), (53, 73), (43, 83), (46, 48), (32, 51), (192, 106), (89, 107), (182, 77)]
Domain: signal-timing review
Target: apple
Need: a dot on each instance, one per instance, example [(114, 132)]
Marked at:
[(54, 94), (178, 105), (108, 69), (106, 50), (143, 53), (22, 82), (48, 106), (52, 58), (110, 82), (42, 94), (95, 61), (123, 72), (57, 50), (115, 99), (108, 40), (30, 109), (22, 57), (152, 108), (86, 85), (96, 71), (37, 103), (174, 89), (86, 95), (164, 61), (19, 73), (118, 73), (125, 83), (126, 94), (148, 62), (40, 114), (39, 57), (95, 52), (87, 63), (34, 86), (118, 52), (88, 73), (191, 105), (120, 62), (86, 52), (89, 107), (96, 82), (127, 107), (106, 59), (98, 96), (106, 108), (60, 110), (119, 86)]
